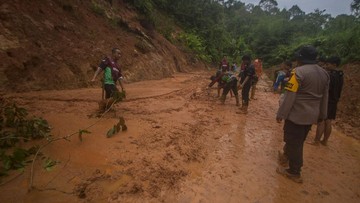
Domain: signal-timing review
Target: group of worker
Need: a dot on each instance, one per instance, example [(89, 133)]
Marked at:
[(231, 79), (309, 95)]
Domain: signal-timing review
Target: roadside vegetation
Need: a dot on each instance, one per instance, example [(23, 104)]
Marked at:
[(215, 28)]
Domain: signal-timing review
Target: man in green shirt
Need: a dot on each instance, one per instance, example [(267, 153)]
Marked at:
[(112, 74)]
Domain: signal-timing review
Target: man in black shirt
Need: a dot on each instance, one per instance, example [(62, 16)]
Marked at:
[(246, 79), (335, 88)]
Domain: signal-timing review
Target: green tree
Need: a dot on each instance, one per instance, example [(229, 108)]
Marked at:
[(295, 11), (270, 6), (355, 7)]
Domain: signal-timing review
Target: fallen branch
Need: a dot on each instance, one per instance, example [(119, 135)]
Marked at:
[(51, 140)]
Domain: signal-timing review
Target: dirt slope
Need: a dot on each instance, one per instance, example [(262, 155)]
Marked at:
[(57, 44), (349, 105), (181, 146)]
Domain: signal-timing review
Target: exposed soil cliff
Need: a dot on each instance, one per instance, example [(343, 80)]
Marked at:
[(57, 44)]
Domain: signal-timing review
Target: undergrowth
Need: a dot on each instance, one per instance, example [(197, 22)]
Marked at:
[(15, 128)]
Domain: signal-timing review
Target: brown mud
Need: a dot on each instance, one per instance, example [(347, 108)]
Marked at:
[(182, 145)]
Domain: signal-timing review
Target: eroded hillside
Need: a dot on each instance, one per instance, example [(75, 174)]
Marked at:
[(57, 44)]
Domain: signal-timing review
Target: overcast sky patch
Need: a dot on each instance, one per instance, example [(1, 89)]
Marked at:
[(333, 7)]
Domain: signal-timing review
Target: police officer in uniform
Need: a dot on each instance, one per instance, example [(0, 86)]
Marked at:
[(305, 102)]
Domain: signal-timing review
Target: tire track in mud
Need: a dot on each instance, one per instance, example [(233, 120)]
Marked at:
[(164, 152), (241, 167), (241, 155)]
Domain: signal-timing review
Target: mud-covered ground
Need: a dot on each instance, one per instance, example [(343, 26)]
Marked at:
[(182, 145)]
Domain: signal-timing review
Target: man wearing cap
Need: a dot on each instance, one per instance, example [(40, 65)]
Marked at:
[(305, 102)]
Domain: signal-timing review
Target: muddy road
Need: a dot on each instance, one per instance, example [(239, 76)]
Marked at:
[(182, 145)]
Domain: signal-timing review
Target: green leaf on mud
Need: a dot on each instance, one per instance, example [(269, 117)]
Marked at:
[(20, 154), (6, 163), (81, 132), (49, 164), (111, 132), (120, 126), (16, 126), (84, 131), (21, 170)]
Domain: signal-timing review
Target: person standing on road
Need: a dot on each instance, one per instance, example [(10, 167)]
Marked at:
[(335, 88), (287, 68), (234, 67), (279, 81), (246, 81), (112, 74), (257, 77), (305, 102), (224, 65)]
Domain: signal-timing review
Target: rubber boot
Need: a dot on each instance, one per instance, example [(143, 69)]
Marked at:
[(245, 109), (241, 108), (252, 93), (237, 100), (283, 160), (222, 99)]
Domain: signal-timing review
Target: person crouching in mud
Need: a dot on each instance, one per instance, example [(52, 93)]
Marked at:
[(112, 74), (230, 81), (224, 67)]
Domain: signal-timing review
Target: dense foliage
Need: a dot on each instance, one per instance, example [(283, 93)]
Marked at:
[(214, 28), (16, 127)]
